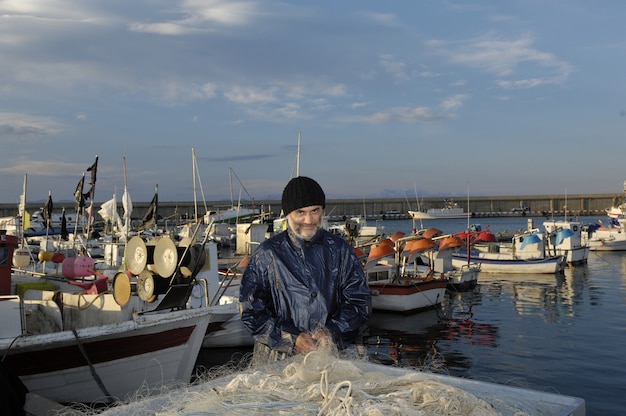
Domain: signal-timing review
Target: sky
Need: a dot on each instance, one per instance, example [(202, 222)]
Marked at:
[(394, 99)]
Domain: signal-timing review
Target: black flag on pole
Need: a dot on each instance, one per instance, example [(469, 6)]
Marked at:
[(64, 234), (93, 169), (79, 197), (150, 218), (47, 212)]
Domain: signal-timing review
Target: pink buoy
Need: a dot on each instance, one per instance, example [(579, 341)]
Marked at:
[(67, 267), (83, 266)]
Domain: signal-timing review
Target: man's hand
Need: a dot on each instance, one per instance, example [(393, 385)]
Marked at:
[(306, 342), (323, 339)]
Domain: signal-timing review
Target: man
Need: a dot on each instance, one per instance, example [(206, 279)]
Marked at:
[(304, 288)]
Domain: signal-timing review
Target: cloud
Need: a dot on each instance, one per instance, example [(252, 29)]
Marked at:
[(15, 126), (286, 100), (198, 16), (413, 114), (504, 59), (50, 167), (453, 103), (251, 95), (520, 84), (360, 104), (394, 67), (400, 114), (166, 28)]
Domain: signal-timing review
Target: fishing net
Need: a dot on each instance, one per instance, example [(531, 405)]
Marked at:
[(318, 383), (327, 383)]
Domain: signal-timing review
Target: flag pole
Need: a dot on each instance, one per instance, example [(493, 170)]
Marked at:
[(93, 169), (124, 195)]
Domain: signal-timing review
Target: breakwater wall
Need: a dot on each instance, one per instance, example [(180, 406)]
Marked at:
[(376, 208)]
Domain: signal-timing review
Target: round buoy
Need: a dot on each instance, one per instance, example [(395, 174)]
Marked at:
[(44, 255), (136, 255), (192, 259), (122, 288), (165, 257), (21, 258), (83, 266), (67, 267), (148, 288), (58, 258)]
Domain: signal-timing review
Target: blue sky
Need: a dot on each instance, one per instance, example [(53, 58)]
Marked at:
[(391, 97)]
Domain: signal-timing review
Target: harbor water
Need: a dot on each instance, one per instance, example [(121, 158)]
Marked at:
[(561, 333)]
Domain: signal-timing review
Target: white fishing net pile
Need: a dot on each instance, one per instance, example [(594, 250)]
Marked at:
[(316, 384)]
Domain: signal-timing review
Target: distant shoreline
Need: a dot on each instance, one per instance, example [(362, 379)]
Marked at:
[(376, 208)]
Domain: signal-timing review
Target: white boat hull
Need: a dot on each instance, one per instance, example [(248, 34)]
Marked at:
[(607, 239), (439, 214), (110, 360), (407, 298), (464, 278), (607, 245), (578, 255), (231, 333), (509, 264)]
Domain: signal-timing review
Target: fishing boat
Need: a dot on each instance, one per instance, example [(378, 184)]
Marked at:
[(395, 283), (450, 210), (460, 278), (605, 237), (236, 213), (618, 208), (92, 338), (526, 254), (565, 238), (231, 333)]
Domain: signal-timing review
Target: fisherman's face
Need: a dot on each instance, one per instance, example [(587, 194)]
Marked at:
[(305, 222)]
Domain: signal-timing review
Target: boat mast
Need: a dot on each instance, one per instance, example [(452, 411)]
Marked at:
[(298, 156), (468, 207), (193, 173), (419, 209), (21, 211), (230, 185), (125, 202), (565, 207)]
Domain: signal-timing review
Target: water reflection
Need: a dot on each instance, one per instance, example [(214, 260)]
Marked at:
[(462, 327), (450, 338), (404, 340), (432, 338)]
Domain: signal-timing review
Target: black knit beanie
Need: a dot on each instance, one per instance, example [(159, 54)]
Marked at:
[(302, 192)]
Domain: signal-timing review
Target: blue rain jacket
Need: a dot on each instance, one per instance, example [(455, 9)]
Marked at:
[(291, 286)]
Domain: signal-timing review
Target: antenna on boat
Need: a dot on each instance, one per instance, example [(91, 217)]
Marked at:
[(298, 156), (126, 203), (418, 207), (193, 173), (468, 206), (22, 213), (296, 166), (565, 207)]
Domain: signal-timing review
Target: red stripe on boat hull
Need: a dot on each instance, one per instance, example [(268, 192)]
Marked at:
[(70, 356)]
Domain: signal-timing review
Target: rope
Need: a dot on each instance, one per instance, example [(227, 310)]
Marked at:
[(92, 369)]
